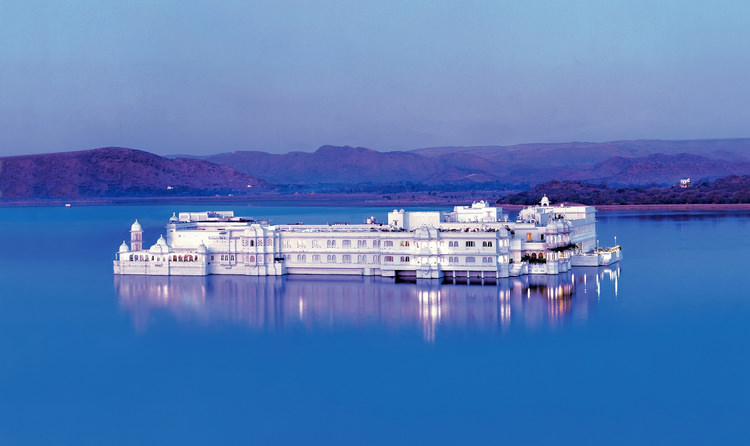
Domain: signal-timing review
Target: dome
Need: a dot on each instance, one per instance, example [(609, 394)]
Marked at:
[(123, 247), (160, 247), (173, 218), (136, 227), (545, 200)]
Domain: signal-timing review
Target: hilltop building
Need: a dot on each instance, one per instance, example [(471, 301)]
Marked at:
[(470, 241)]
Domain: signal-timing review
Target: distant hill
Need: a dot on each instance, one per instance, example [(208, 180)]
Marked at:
[(589, 153), (352, 165), (120, 172), (620, 162), (113, 172)]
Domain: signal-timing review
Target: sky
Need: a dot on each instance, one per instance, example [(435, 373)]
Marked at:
[(203, 77)]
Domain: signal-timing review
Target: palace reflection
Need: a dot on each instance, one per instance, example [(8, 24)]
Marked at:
[(317, 303)]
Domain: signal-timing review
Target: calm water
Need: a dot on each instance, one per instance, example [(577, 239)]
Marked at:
[(653, 350)]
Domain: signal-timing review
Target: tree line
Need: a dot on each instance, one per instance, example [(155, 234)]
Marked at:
[(728, 190)]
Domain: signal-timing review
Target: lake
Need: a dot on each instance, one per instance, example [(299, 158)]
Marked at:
[(653, 350)]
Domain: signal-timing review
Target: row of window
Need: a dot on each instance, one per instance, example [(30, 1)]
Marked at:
[(332, 258), (375, 243), (470, 244), (389, 259), (173, 258), (486, 260)]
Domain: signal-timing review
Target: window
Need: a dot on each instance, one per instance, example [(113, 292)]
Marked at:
[(346, 244), (388, 243), (528, 237), (331, 258), (376, 259), (452, 259), (450, 244), (404, 242), (388, 259), (346, 258), (301, 244), (470, 244), (361, 243), (487, 244), (252, 258), (316, 258), (287, 243), (330, 243), (376, 243), (404, 259), (315, 244), (470, 260), (300, 258), (231, 258)]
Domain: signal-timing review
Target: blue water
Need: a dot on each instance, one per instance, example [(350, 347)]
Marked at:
[(651, 351)]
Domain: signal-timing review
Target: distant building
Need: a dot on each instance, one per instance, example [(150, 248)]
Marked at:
[(684, 183)]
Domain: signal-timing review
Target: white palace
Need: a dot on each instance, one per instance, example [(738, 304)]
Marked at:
[(474, 241)]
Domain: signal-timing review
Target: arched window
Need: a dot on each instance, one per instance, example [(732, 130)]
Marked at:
[(541, 256), (252, 258), (533, 255)]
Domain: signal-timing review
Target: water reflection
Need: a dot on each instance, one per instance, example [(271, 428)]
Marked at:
[(316, 303)]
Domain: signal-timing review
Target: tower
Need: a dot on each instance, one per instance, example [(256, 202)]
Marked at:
[(136, 236)]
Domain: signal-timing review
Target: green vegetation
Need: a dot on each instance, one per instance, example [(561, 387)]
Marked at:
[(728, 190)]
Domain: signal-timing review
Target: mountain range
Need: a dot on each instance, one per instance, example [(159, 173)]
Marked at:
[(118, 172), (620, 162)]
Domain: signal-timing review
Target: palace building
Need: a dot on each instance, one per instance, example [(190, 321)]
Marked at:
[(476, 241)]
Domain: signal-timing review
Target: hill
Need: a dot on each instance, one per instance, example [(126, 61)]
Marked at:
[(445, 168), (115, 172)]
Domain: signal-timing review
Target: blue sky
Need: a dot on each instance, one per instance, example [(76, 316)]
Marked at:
[(203, 77)]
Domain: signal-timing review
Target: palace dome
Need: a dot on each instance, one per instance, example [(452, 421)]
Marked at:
[(123, 247), (160, 247), (136, 227)]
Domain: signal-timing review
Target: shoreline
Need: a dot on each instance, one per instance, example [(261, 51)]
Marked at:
[(376, 200)]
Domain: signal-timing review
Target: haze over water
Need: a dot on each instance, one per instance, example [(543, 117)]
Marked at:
[(652, 350)]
